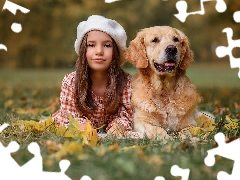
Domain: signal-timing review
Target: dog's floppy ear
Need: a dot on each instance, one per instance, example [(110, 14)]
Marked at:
[(136, 52), (187, 54)]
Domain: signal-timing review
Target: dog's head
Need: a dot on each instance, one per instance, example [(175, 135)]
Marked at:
[(165, 49)]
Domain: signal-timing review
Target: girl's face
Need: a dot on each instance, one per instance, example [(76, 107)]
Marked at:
[(99, 50)]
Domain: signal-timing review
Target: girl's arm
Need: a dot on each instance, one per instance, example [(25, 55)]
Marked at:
[(67, 106), (124, 120)]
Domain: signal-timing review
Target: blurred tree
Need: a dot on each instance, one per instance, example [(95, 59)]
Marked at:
[(49, 29)]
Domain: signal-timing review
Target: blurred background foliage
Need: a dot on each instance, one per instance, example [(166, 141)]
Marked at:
[(49, 29)]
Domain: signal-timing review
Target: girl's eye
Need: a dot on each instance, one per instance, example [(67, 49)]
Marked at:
[(90, 45), (108, 45)]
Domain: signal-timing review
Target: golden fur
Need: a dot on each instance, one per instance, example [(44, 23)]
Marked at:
[(163, 98)]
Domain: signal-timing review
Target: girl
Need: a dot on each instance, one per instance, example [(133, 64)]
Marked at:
[(98, 88)]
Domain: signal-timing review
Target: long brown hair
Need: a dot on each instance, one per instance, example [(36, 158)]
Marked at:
[(83, 84)]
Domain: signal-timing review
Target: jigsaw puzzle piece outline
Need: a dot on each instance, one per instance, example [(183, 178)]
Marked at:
[(222, 51), (63, 164), (35, 164), (34, 167), (16, 27), (236, 16), (12, 7), (3, 47), (4, 125), (223, 150), (5, 156), (182, 7), (177, 171), (85, 177), (110, 1)]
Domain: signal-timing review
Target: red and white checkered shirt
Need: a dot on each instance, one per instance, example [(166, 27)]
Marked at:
[(99, 117)]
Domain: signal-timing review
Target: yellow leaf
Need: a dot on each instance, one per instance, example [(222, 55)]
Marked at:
[(231, 125), (26, 125), (92, 133), (68, 148), (229, 119), (206, 123), (72, 147), (48, 124), (74, 126), (87, 133), (195, 131), (62, 131), (114, 147)]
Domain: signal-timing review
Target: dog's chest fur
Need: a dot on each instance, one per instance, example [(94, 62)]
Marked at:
[(164, 99)]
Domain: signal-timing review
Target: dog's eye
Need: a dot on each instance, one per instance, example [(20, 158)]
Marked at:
[(175, 39), (155, 40)]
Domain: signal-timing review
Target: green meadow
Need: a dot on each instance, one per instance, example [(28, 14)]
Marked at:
[(33, 94)]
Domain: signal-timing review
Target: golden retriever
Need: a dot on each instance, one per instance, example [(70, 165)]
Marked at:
[(163, 98)]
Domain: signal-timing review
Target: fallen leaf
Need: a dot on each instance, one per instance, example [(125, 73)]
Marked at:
[(206, 123)]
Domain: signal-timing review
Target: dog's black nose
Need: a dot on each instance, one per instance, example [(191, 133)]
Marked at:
[(171, 49)]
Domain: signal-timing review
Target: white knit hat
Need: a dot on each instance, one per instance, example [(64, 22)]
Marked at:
[(109, 26)]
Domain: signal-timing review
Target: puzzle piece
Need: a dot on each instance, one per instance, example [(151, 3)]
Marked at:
[(2, 46), (35, 164), (110, 1), (159, 178), (236, 16), (182, 9), (2, 127), (85, 178), (64, 164), (222, 51), (32, 169), (177, 171), (16, 27), (5, 154), (7, 163), (226, 150), (12, 7)]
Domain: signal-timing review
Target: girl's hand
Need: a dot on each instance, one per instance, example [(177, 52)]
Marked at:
[(117, 130)]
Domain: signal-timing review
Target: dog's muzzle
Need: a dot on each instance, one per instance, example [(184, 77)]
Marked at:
[(170, 63)]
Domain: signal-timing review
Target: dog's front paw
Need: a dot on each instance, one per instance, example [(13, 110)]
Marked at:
[(158, 133), (185, 134)]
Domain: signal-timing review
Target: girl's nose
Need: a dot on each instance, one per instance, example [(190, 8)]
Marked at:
[(99, 50)]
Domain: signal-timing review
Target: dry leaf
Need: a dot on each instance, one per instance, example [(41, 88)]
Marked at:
[(86, 133)]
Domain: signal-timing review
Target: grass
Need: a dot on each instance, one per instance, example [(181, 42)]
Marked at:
[(34, 94)]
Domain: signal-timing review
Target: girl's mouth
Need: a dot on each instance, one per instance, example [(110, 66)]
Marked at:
[(98, 60)]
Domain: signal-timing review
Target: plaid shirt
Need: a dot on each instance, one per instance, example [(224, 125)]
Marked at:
[(99, 117)]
